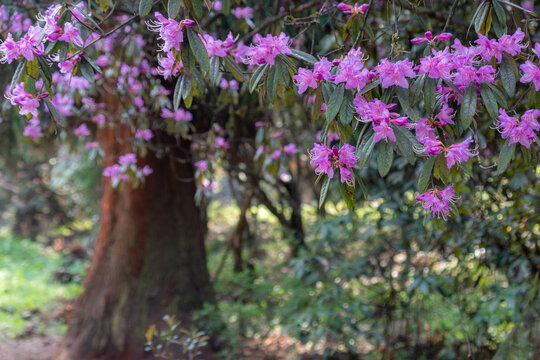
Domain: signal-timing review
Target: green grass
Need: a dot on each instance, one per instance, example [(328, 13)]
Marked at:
[(27, 283)]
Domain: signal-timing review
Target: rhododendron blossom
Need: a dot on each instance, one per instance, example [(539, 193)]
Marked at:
[(438, 201), (327, 160), (519, 131)]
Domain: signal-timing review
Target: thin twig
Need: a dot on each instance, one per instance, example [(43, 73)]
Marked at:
[(361, 33)]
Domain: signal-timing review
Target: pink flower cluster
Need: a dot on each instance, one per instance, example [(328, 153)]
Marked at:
[(178, 115), (438, 201), (327, 160), (519, 131), (266, 49), (432, 146), (353, 9), (126, 166), (216, 47), (379, 115), (428, 36), (242, 13), (28, 103)]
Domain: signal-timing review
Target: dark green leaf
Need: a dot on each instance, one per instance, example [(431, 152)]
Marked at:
[(233, 67), (177, 96), (385, 156), (346, 112), (256, 77), (429, 95), (18, 75), (404, 144), (214, 70), (489, 101), (425, 175), (508, 76), (173, 7), (333, 105), (55, 114), (403, 96), (226, 6), (365, 151), (87, 71), (505, 156), (198, 48), (303, 56), (349, 195), (144, 7), (324, 191), (271, 84), (468, 106), (32, 68)]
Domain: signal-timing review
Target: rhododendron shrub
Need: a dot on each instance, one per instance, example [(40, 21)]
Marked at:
[(433, 109)]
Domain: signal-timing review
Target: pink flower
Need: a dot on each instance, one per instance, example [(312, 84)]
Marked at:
[(488, 48), (99, 119), (429, 37), (178, 115), (305, 79), (145, 134), (28, 104), (353, 10), (519, 131), (9, 50), (320, 156), (459, 152), (201, 165), (512, 43), (241, 13), (445, 116), (383, 131), (92, 145), (530, 73), (214, 47), (437, 66), (71, 35), (221, 143), (438, 201), (424, 130), (112, 171), (168, 66), (81, 130), (290, 149), (267, 48), (321, 70), (146, 170), (33, 129), (169, 30), (127, 159), (395, 73)]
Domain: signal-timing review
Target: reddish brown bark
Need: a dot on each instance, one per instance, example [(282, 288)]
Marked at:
[(149, 258)]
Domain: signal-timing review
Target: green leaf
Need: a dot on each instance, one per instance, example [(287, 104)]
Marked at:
[(429, 95), (480, 19), (197, 6), (87, 71), (316, 110), (349, 195), (103, 5), (226, 6), (271, 84), (45, 71), (55, 114), (365, 151), (508, 76), (18, 75), (346, 112), (385, 156), (188, 60), (403, 97), (282, 72), (92, 63), (324, 191), (173, 7), (303, 56), (468, 106), (425, 174), (187, 85), (32, 68), (404, 144), (198, 48), (333, 105), (416, 89), (489, 101), (233, 67), (214, 73), (144, 7), (505, 156), (177, 96), (256, 77)]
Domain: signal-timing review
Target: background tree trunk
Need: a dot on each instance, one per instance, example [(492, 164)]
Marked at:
[(149, 258)]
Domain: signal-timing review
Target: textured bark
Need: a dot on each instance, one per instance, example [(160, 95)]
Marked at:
[(149, 258)]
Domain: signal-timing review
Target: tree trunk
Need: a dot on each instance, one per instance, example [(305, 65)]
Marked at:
[(149, 258)]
